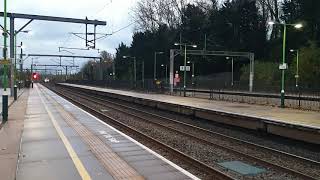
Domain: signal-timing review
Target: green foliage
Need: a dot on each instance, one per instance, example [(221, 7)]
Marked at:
[(265, 73), (88, 70), (123, 70), (309, 65)]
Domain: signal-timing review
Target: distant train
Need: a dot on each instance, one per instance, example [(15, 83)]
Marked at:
[(30, 78)]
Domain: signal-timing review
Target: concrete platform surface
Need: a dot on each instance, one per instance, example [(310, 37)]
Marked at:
[(10, 136), (286, 115), (61, 141)]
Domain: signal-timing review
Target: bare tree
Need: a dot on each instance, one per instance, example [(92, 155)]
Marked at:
[(270, 11), (106, 65), (107, 59), (149, 15)]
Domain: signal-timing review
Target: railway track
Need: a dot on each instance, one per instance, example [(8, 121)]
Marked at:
[(192, 131), (210, 172)]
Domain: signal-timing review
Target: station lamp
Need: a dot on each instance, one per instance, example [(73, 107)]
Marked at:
[(283, 65)]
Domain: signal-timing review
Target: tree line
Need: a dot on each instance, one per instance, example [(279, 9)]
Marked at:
[(230, 25)]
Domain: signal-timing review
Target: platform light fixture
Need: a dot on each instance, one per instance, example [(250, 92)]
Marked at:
[(193, 72), (155, 64), (283, 66), (185, 63), (271, 23), (297, 66), (134, 68), (232, 69), (298, 26), (15, 61)]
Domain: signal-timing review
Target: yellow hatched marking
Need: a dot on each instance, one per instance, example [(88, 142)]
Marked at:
[(76, 160)]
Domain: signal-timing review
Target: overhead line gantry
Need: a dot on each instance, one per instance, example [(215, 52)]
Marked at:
[(31, 17)]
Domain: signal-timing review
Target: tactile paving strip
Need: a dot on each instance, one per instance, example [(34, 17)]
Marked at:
[(116, 166)]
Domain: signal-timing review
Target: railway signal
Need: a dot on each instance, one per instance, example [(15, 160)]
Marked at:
[(35, 76)]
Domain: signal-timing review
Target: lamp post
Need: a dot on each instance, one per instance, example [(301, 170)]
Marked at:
[(20, 65), (192, 76), (162, 65), (142, 75), (15, 60), (134, 68), (95, 73), (185, 63), (283, 66), (155, 65), (5, 77), (32, 72), (232, 70), (297, 66), (114, 69)]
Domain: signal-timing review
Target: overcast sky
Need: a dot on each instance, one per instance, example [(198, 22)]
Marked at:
[(46, 37)]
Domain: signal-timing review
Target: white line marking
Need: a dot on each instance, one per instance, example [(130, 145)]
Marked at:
[(136, 142)]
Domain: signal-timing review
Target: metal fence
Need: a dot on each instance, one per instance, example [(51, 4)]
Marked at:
[(301, 98), (148, 85)]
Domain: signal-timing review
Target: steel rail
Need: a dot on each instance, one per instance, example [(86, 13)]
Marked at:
[(250, 157), (212, 132), (214, 173)]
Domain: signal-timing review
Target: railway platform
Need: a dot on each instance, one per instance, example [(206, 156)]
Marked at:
[(291, 123), (58, 140)]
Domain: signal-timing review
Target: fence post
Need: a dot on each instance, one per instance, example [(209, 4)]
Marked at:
[(299, 92)]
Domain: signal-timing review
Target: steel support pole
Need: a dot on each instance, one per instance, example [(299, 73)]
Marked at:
[(100, 67), (31, 66), (251, 75), (15, 91), (5, 77), (15, 52), (171, 70), (232, 71), (31, 73), (66, 73), (21, 66), (297, 70), (135, 71), (12, 44), (114, 70), (155, 66), (166, 74), (283, 69), (142, 74), (192, 74), (185, 72)]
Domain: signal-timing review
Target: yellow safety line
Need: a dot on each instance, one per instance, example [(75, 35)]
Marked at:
[(76, 160)]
